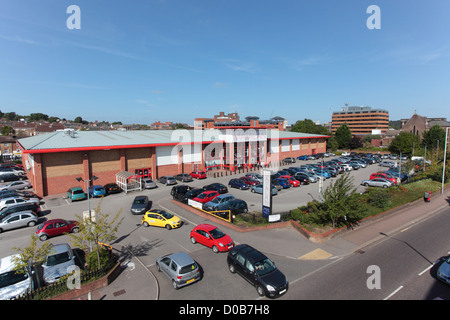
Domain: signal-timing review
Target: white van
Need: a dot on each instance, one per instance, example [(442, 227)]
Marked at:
[(12, 283)]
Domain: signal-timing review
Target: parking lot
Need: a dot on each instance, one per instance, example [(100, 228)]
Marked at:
[(147, 244)]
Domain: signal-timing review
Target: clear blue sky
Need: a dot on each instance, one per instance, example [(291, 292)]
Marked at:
[(142, 61)]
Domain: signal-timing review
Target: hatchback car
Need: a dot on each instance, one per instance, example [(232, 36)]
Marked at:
[(376, 182), (18, 220), (183, 177), (180, 268), (198, 174), (257, 269), (191, 194), (149, 183), (97, 191), (161, 218), (236, 206), (8, 177), (384, 175), (6, 202), (212, 237), (289, 160), (443, 272), (12, 283), (111, 188), (221, 199), (249, 181), (239, 184), (259, 189), (75, 194), (140, 205), (294, 182), (56, 227), (59, 263), (284, 183), (206, 196), (20, 208), (16, 185), (167, 180), (220, 188), (178, 192)]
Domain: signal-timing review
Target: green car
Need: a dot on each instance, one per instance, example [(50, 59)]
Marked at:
[(76, 193)]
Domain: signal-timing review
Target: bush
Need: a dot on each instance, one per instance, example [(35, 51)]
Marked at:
[(380, 198), (92, 258)]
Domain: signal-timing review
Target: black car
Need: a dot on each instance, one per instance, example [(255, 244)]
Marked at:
[(257, 269), (183, 177), (178, 192), (235, 206), (220, 188), (8, 177), (303, 178), (191, 194), (30, 206), (140, 205), (112, 188)]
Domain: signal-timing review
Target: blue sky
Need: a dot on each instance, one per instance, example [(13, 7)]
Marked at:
[(142, 61)]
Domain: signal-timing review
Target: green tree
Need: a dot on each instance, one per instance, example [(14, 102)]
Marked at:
[(432, 136), (404, 142), (343, 136), (7, 131), (356, 142), (308, 126), (78, 120)]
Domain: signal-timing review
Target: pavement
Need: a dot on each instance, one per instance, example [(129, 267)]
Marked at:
[(137, 282)]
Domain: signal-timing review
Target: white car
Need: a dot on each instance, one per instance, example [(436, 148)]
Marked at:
[(16, 185), (12, 284), (59, 263), (6, 202)]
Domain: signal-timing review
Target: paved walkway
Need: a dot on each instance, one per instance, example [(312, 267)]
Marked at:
[(136, 282)]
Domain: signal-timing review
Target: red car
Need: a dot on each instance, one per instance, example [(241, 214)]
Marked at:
[(198, 174), (294, 182), (206, 196), (211, 237), (56, 227), (249, 181), (384, 176)]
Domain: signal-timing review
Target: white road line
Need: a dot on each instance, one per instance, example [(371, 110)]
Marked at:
[(431, 266), (396, 290)]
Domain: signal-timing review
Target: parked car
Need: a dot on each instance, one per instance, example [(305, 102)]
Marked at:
[(180, 268), (198, 174), (220, 188), (239, 184), (161, 218), (12, 283), (18, 220), (56, 227), (7, 177), (255, 176), (183, 177), (7, 202), (212, 237), (304, 178), (140, 205), (236, 206), (206, 196), (382, 175), (111, 188), (377, 182), (249, 181), (20, 208), (16, 185), (294, 182), (149, 183), (284, 183), (221, 199), (259, 189), (59, 263), (387, 163), (443, 272), (257, 269), (289, 160), (75, 194), (191, 194), (305, 157), (167, 180), (179, 191), (96, 191)]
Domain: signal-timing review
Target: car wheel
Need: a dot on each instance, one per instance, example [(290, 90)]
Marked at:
[(193, 240), (145, 224), (43, 237), (231, 268), (253, 190), (75, 230), (175, 285), (384, 186), (168, 227), (215, 249), (30, 224), (366, 184), (158, 267), (260, 291)]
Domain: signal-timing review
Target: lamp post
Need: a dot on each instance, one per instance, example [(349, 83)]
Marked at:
[(445, 158), (79, 179)]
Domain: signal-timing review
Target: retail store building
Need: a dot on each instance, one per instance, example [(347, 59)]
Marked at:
[(54, 160)]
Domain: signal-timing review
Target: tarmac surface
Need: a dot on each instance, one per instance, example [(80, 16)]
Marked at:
[(137, 281)]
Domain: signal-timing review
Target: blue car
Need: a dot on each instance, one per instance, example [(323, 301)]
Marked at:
[(259, 189), (323, 173), (219, 200), (97, 191), (239, 184), (284, 183), (302, 157)]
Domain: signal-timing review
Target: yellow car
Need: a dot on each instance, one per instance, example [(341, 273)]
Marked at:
[(161, 218)]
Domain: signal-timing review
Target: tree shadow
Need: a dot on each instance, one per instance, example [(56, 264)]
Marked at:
[(128, 251), (414, 249)]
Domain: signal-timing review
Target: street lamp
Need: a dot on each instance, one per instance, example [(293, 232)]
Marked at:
[(79, 179), (445, 158)]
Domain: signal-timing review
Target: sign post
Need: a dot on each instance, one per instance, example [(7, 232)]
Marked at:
[(267, 195)]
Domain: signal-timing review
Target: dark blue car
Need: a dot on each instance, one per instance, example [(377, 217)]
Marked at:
[(239, 184), (302, 157), (284, 183)]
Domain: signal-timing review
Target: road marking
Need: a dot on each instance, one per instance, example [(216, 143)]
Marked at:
[(431, 266), (317, 254), (396, 290)]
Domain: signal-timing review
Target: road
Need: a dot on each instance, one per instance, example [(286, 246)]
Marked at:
[(406, 268)]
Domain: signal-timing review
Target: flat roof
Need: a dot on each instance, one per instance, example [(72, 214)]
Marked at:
[(70, 140)]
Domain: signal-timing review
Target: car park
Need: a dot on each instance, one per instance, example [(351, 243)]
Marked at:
[(149, 183), (198, 174), (183, 177), (376, 182), (96, 191), (59, 263), (239, 184), (12, 282), (75, 194), (221, 199), (236, 206), (16, 185), (212, 237), (140, 204), (111, 188), (180, 268), (20, 208), (220, 188), (257, 269), (259, 189), (56, 227), (18, 220), (206, 196), (167, 180), (161, 218)]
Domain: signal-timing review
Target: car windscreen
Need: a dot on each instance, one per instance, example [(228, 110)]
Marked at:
[(217, 233), (188, 268), (166, 215), (57, 259), (12, 277), (264, 267), (78, 191)]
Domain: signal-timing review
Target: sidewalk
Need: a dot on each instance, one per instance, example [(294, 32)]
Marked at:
[(136, 282)]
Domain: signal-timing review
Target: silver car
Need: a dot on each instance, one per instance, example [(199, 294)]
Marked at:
[(16, 185), (386, 163), (149, 183), (59, 263), (6, 202), (18, 220), (180, 268), (377, 182)]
